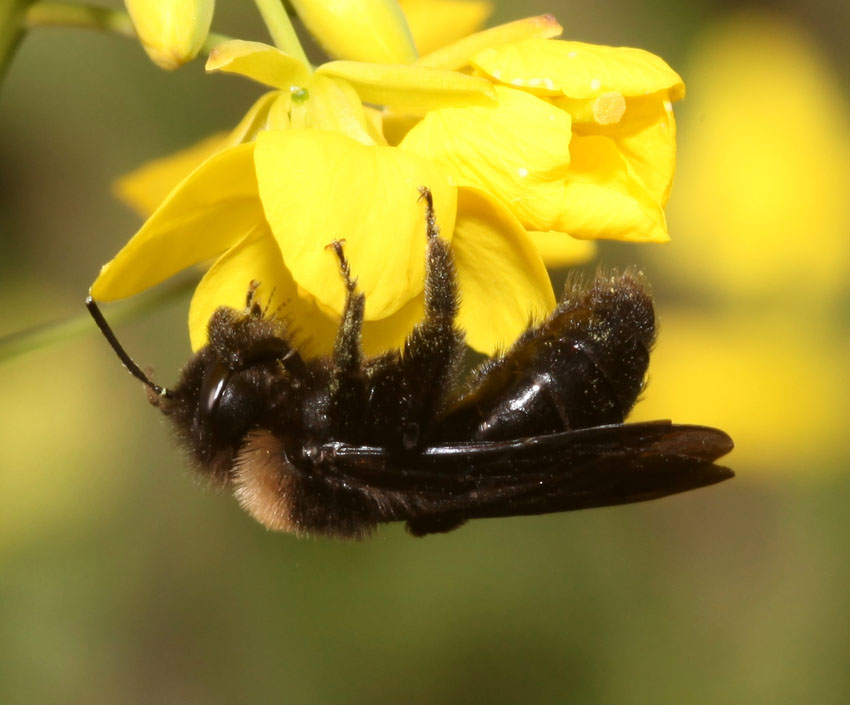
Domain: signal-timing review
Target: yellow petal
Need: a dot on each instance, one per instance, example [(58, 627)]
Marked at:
[(254, 258), (646, 137), (521, 151), (259, 62), (511, 150), (145, 188), (359, 30), (601, 198), (375, 124), (332, 105), (315, 328), (319, 186), (409, 87), (503, 281), (578, 70), (264, 114), (396, 125), (171, 31), (211, 209), (390, 332), (460, 53), (278, 115), (257, 258), (561, 250), (436, 23)]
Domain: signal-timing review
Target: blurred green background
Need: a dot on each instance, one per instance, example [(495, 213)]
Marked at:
[(121, 581)]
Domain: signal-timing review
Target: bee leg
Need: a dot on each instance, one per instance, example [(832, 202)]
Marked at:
[(441, 295), (348, 383), (433, 349), (408, 388), (251, 305)]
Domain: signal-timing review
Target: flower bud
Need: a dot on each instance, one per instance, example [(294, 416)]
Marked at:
[(171, 31)]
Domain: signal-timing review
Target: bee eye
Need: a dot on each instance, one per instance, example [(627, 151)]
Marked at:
[(213, 388)]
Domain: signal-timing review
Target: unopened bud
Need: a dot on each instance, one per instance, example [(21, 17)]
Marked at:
[(171, 31)]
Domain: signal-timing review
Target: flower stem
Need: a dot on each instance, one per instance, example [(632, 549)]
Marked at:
[(280, 28), (12, 13), (31, 340), (60, 14)]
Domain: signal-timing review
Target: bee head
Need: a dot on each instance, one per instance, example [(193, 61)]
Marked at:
[(239, 381)]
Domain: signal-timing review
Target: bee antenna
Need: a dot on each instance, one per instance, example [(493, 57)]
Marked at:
[(128, 361)]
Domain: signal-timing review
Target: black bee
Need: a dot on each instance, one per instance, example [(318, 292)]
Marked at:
[(336, 445)]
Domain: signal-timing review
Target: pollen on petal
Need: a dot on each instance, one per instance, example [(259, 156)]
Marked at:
[(608, 109)]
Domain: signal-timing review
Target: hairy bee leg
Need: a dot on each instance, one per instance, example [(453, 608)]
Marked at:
[(251, 305), (348, 348), (441, 294), (432, 350), (348, 383)]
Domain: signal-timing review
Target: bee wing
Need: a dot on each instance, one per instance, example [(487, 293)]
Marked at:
[(440, 487)]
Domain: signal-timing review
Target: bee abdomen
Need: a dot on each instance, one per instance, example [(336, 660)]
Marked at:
[(583, 366)]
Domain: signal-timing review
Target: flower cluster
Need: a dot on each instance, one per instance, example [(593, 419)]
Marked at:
[(532, 146)]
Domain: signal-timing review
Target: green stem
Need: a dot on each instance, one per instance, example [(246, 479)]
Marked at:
[(281, 29), (50, 334), (60, 14), (12, 25)]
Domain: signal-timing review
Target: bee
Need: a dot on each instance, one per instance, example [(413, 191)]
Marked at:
[(337, 445)]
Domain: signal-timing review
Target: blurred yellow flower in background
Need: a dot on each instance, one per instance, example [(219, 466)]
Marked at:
[(437, 23), (366, 30), (762, 221)]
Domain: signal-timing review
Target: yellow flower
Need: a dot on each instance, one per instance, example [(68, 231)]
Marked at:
[(271, 196), (171, 31), (263, 209), (581, 139), (764, 182), (310, 163)]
